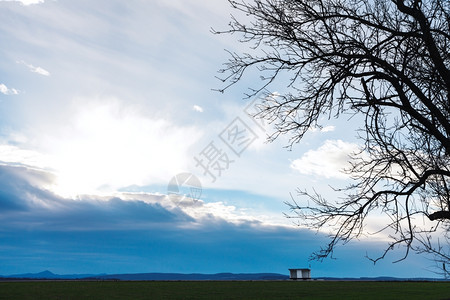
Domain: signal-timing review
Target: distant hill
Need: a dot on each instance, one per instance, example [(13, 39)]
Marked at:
[(194, 276), (150, 276), (48, 275)]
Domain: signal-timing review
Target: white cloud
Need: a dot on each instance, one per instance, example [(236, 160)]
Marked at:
[(34, 69), (25, 2), (329, 128), (40, 70), (103, 147), (197, 108), (17, 156), (7, 91), (329, 160)]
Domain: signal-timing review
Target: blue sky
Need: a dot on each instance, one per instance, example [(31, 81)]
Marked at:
[(103, 102)]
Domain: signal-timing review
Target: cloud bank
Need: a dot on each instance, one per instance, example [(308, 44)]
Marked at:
[(136, 232), (144, 232)]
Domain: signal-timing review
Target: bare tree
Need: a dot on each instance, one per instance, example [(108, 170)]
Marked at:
[(386, 60)]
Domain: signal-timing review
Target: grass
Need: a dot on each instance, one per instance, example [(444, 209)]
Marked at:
[(51, 290)]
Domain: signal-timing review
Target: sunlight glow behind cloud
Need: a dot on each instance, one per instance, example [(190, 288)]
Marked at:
[(106, 147), (14, 155)]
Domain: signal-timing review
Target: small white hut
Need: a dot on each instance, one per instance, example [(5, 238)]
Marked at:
[(304, 274)]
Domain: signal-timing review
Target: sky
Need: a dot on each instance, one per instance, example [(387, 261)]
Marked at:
[(117, 155)]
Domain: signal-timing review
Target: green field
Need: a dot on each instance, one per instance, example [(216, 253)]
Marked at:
[(223, 290)]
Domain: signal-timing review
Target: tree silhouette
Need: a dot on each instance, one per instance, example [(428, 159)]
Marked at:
[(386, 60)]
